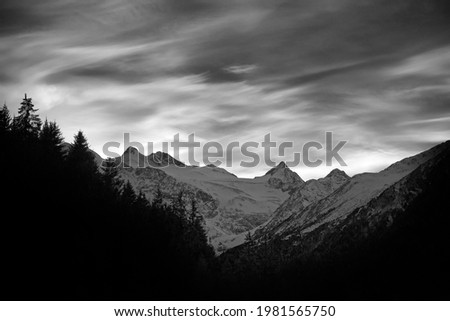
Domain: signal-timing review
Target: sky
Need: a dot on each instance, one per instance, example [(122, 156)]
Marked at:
[(376, 73)]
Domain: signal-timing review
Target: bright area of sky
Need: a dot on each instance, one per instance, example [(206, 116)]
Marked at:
[(374, 72)]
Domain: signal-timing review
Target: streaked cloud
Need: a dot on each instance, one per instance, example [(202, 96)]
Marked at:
[(243, 69), (375, 72)]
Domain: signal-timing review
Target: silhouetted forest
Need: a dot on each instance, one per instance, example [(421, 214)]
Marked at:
[(70, 230)]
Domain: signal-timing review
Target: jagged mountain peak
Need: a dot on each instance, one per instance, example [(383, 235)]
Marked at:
[(163, 158), (280, 166), (337, 173), (133, 157), (282, 177), (304, 212), (131, 150)]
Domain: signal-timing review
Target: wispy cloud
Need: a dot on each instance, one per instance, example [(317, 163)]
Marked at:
[(243, 69), (374, 72)]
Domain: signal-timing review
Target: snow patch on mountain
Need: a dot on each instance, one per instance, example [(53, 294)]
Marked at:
[(304, 195), (230, 205), (305, 217)]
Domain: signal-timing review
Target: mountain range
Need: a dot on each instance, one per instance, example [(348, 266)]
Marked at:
[(279, 205), (231, 206), (328, 205)]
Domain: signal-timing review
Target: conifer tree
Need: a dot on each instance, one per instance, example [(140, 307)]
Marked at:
[(158, 200), (128, 195), (141, 201), (51, 138), (80, 159), (110, 174), (5, 119), (27, 122), (79, 151), (193, 213), (179, 205)]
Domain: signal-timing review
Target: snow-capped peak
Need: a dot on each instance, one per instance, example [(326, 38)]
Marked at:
[(337, 173), (282, 177), (349, 194), (276, 169)]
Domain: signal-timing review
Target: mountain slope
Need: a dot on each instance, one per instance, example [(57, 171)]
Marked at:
[(382, 212), (392, 247), (281, 177), (356, 192), (133, 158), (231, 206), (304, 195)]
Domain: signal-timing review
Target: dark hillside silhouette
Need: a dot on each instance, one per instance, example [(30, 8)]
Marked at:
[(72, 231)]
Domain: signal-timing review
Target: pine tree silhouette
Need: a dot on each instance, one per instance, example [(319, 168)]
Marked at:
[(111, 174), (179, 205), (5, 119), (128, 195), (193, 215), (79, 155), (51, 138), (158, 199), (27, 122)]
